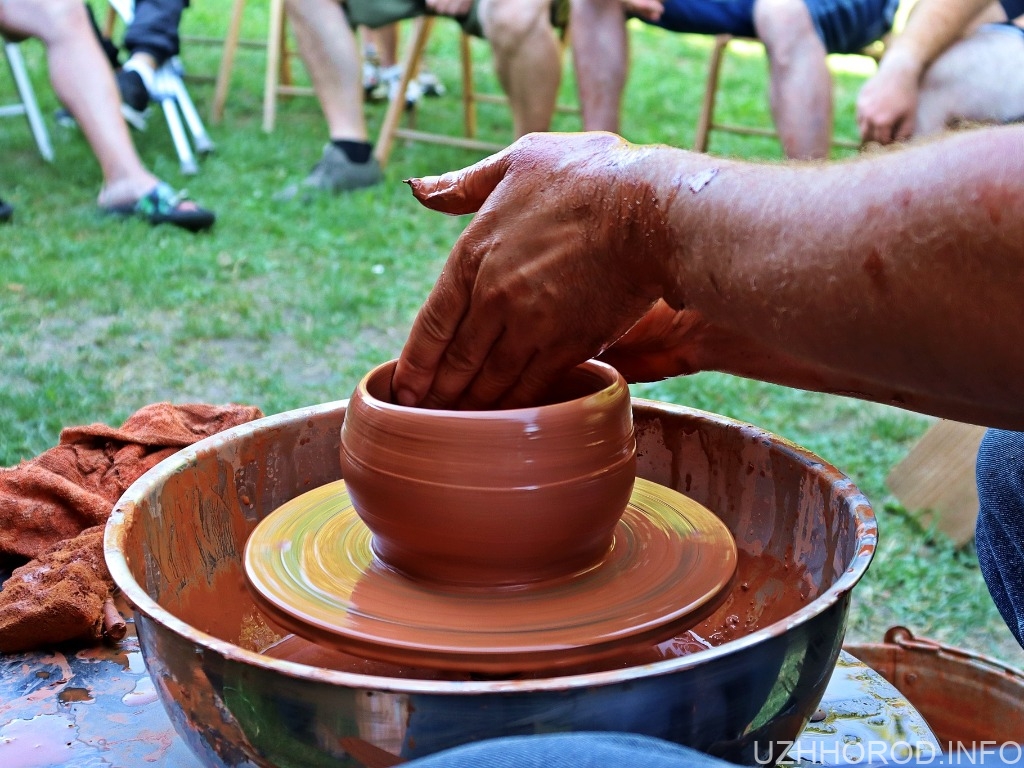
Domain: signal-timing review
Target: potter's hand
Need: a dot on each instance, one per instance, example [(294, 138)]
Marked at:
[(664, 343), (565, 255), (887, 104)]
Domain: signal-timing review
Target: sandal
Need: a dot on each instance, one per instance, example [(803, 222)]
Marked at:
[(162, 205), (6, 211)]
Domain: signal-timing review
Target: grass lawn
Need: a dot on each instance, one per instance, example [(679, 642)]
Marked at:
[(286, 305)]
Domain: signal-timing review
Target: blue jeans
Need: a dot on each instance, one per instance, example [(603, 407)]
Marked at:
[(611, 750), (844, 26), (999, 536)]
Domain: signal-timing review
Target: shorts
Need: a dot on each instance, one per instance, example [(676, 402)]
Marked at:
[(844, 26), (380, 13)]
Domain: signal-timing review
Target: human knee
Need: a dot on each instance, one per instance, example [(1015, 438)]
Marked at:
[(506, 23), (1000, 475), (785, 27), (62, 18)]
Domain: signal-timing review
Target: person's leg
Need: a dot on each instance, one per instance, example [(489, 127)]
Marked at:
[(154, 30), (999, 536), (980, 79), (801, 85), (328, 47), (84, 83), (526, 58), (571, 750), (600, 53)]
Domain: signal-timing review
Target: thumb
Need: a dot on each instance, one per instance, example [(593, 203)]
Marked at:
[(464, 191)]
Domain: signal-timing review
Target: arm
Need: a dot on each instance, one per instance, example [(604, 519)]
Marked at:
[(888, 101), (894, 277)]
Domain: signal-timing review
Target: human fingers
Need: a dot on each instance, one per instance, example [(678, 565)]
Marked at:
[(463, 191), (432, 331)]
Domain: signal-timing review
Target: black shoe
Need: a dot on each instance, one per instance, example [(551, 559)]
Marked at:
[(134, 97), (6, 211)]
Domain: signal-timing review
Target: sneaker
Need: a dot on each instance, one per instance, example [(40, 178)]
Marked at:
[(335, 173), (134, 97), (430, 84), (390, 77), (6, 212)]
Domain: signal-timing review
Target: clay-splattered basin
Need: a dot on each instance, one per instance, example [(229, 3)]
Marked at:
[(174, 544)]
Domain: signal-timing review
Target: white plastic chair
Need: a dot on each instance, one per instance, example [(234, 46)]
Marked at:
[(27, 106), (168, 90)]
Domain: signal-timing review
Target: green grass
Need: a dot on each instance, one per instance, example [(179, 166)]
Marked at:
[(287, 305)]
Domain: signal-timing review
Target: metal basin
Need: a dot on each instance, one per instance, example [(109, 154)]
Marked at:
[(174, 542)]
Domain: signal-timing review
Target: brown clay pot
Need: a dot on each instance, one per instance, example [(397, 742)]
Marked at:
[(485, 499)]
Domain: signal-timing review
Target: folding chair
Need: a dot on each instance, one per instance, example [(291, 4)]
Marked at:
[(706, 120), (27, 106), (168, 90)]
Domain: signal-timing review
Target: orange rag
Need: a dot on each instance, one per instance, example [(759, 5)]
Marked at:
[(53, 507)]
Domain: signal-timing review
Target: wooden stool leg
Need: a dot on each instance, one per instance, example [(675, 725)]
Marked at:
[(275, 36), (410, 64), (707, 110), (468, 92), (227, 62)]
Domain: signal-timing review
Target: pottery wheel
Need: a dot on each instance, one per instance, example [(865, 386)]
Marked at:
[(311, 567)]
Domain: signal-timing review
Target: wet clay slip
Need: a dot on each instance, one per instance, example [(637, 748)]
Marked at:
[(485, 499), (311, 567)]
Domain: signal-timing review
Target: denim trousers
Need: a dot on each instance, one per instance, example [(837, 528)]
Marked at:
[(999, 535), (625, 750)]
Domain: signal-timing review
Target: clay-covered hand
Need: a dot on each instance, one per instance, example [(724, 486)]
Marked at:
[(887, 104), (665, 342), (570, 247)]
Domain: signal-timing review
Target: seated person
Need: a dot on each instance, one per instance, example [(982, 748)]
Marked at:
[(955, 61), (797, 35), (150, 39), (85, 85), (525, 51)]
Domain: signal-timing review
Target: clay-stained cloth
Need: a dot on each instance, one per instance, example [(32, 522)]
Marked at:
[(53, 508)]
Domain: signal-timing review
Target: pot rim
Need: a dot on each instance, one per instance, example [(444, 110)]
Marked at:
[(611, 375), (124, 512)]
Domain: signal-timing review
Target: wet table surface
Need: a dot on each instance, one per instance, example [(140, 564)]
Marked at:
[(97, 707)]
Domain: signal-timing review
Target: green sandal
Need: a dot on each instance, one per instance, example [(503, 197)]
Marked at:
[(162, 205)]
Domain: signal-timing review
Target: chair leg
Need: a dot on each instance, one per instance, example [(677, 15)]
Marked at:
[(468, 90), (275, 40), (28, 100), (396, 106), (705, 121), (227, 62), (203, 143)]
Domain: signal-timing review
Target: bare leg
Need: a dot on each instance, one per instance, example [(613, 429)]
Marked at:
[(328, 48), (386, 39), (801, 85), (84, 82), (980, 79), (601, 58), (526, 57)]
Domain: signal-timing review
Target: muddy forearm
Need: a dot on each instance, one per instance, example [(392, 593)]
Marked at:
[(904, 270)]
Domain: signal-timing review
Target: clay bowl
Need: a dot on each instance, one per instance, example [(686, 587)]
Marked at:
[(498, 498), (174, 546)]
